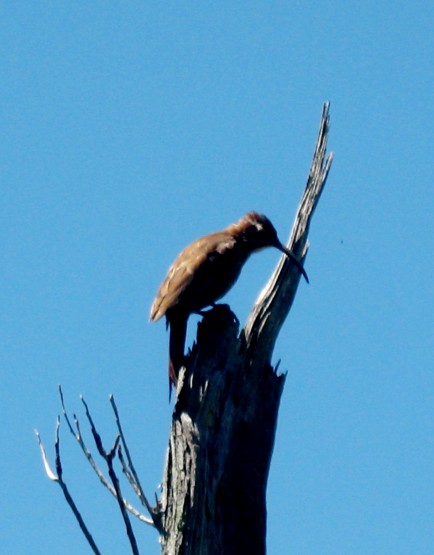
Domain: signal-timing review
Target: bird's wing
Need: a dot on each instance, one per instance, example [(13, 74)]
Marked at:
[(181, 273)]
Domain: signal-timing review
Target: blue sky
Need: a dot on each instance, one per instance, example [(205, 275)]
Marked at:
[(129, 129)]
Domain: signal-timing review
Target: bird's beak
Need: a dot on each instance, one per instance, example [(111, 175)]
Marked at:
[(290, 255)]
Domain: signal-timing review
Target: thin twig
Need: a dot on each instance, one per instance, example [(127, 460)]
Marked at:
[(59, 479), (79, 438), (129, 469), (51, 475), (108, 456)]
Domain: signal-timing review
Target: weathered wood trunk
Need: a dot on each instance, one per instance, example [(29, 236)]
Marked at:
[(214, 486), (220, 447)]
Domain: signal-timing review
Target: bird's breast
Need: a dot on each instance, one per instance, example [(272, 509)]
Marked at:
[(201, 274)]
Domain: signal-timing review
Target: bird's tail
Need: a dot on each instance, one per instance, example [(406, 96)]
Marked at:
[(178, 330)]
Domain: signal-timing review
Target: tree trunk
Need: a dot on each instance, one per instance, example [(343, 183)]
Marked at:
[(213, 497)]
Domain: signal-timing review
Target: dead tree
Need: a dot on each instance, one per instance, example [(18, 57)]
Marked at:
[(223, 426), (224, 422)]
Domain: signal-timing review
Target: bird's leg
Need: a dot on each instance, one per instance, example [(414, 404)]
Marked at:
[(178, 330)]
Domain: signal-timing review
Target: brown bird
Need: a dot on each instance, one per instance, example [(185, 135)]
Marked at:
[(204, 271)]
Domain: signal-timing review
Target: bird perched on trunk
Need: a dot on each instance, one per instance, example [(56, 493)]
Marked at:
[(204, 271)]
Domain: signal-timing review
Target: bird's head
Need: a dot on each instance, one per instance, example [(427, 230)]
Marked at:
[(258, 232)]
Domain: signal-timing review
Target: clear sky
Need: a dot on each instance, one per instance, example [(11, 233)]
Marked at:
[(130, 128)]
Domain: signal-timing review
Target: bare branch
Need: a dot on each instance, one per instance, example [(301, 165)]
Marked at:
[(87, 453), (130, 471), (108, 456), (275, 300), (79, 438), (64, 487), (51, 475)]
